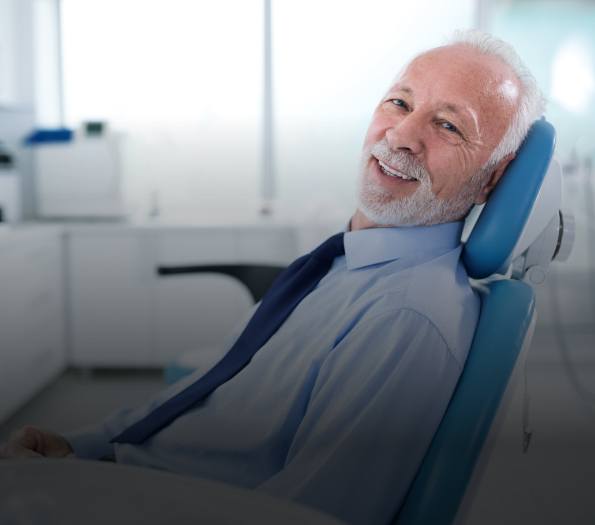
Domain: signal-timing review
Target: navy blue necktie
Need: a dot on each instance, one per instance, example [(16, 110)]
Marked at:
[(297, 281)]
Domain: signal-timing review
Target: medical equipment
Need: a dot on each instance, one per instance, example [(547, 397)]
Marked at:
[(77, 175), (546, 237)]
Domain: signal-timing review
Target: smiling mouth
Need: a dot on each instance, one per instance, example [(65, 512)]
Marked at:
[(391, 172)]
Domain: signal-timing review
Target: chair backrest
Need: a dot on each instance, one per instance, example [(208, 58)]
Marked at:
[(500, 225), (507, 309), (434, 498)]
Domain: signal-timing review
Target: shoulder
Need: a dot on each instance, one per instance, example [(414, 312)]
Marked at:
[(437, 297), (441, 291)]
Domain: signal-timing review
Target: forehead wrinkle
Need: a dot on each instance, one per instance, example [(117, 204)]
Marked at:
[(466, 113)]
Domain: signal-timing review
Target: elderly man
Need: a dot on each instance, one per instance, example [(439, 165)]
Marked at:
[(336, 402)]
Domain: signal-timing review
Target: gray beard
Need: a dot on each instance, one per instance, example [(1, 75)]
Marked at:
[(421, 208)]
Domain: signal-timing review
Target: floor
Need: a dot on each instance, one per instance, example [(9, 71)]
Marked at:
[(552, 483)]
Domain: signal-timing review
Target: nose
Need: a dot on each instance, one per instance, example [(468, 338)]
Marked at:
[(406, 135)]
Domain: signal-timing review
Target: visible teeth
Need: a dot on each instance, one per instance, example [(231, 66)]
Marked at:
[(392, 173)]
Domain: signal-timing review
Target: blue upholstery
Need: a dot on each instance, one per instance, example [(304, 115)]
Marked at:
[(503, 218), (507, 308), (434, 497)]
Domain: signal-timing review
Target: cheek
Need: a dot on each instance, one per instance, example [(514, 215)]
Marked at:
[(450, 169), (465, 160), (377, 129)]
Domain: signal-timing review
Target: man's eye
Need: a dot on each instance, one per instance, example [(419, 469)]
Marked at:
[(399, 102), (449, 127)]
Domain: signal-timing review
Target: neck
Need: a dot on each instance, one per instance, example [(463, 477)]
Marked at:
[(360, 222)]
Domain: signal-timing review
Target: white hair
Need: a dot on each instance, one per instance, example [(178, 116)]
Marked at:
[(532, 102)]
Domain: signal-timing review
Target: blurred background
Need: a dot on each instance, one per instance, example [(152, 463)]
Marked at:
[(139, 137)]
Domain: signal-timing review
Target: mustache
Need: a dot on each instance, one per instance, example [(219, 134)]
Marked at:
[(403, 162)]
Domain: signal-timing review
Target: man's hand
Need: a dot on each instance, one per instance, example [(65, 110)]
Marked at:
[(31, 442)]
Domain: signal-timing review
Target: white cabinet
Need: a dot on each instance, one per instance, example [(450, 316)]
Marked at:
[(31, 314), (196, 312), (123, 313), (110, 298)]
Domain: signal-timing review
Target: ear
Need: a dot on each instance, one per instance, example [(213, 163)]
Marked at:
[(494, 177)]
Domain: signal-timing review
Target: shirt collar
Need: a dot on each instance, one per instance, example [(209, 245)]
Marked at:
[(378, 245)]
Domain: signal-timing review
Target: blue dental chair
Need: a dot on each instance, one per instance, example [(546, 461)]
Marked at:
[(518, 233)]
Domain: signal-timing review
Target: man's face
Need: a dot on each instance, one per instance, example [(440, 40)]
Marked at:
[(432, 134)]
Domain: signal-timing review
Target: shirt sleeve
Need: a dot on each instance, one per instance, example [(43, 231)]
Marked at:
[(375, 405), (93, 442)]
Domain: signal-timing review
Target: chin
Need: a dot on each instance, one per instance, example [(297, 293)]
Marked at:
[(422, 208)]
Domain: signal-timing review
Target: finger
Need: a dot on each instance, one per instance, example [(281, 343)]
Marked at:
[(22, 452), (55, 446), (27, 437), (16, 452)]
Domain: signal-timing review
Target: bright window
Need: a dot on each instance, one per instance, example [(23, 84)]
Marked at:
[(182, 80)]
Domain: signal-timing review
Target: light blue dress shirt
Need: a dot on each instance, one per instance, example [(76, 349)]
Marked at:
[(337, 409)]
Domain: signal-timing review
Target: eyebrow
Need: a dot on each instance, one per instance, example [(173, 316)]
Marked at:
[(406, 89), (453, 108), (469, 119), (449, 106)]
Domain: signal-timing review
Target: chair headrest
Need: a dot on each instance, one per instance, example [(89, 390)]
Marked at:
[(490, 245)]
